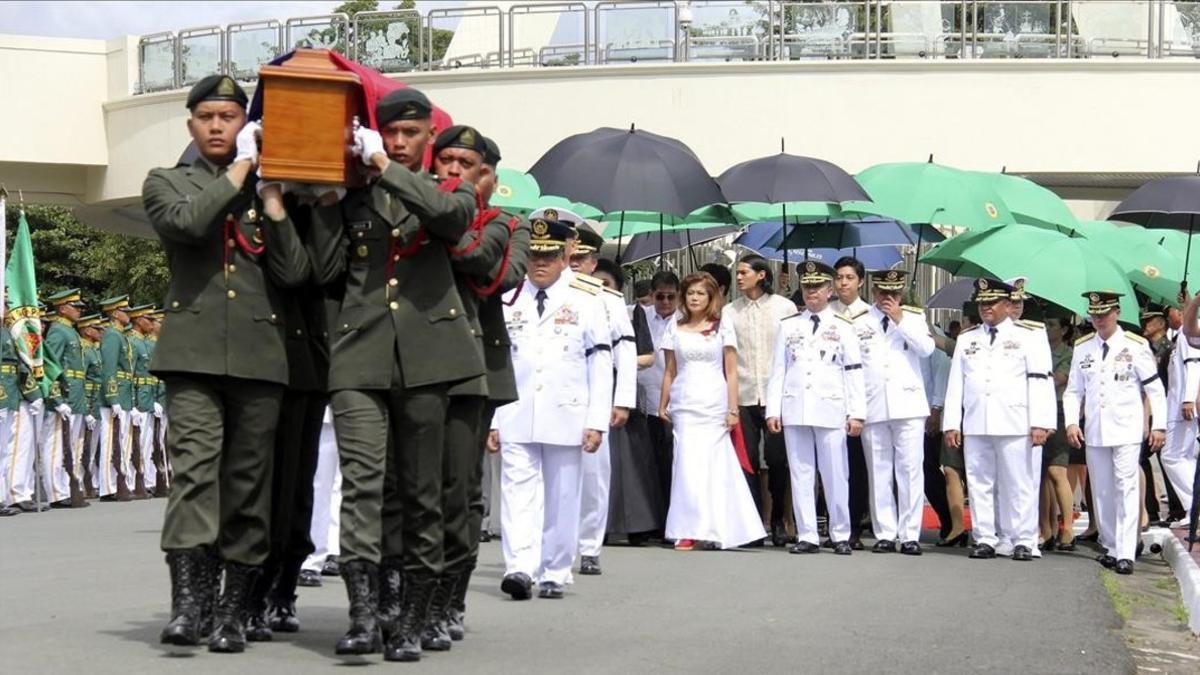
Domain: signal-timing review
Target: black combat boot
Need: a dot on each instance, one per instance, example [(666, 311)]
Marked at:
[(456, 616), (436, 636), (391, 593), (281, 603), (362, 579), (188, 574), (404, 641), (229, 629), (257, 629)]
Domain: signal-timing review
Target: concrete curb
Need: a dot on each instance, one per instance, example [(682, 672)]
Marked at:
[(1187, 572)]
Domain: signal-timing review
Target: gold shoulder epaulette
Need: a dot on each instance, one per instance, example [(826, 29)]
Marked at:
[(614, 291), (580, 285), (969, 329), (856, 317), (1083, 338), (1022, 324), (588, 279), (1030, 323), (1136, 338), (845, 318), (911, 309)]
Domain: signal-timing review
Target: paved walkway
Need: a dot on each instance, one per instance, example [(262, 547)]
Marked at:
[(87, 591)]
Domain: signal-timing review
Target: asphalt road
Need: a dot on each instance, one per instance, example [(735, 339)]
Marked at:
[(87, 591)]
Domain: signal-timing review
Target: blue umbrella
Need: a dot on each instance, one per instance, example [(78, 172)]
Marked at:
[(757, 235)]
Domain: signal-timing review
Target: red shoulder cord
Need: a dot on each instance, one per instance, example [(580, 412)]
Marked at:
[(483, 216), (490, 289), (234, 233), (396, 252)]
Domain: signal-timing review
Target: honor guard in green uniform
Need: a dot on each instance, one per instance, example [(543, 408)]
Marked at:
[(388, 246), (115, 479), (62, 428), (145, 388), (20, 399), (160, 409), (89, 337), (486, 264), (223, 360)]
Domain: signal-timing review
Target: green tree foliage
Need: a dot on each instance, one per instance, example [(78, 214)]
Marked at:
[(70, 254), (441, 37)]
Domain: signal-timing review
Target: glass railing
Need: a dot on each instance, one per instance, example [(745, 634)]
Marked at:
[(564, 34)]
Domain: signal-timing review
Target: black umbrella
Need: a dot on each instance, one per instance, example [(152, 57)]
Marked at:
[(651, 244), (870, 231), (1167, 204), (617, 170), (783, 178), (953, 295)]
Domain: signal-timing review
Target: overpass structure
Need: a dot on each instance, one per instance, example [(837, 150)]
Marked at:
[(1090, 98)]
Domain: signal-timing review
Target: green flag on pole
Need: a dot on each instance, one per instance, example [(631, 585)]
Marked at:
[(23, 314)]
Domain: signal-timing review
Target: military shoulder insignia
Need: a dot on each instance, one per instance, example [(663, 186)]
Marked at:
[(1030, 323), (845, 318), (912, 310), (1136, 338), (588, 279), (584, 286), (793, 316), (1083, 338), (1022, 324), (976, 326), (859, 315), (614, 291)]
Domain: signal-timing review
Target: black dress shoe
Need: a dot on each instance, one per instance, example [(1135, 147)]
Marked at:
[(804, 547), (9, 511), (550, 590), (1106, 561), (959, 540), (983, 552), (331, 568), (842, 548), (856, 544), (884, 546), (910, 548), (485, 536), (828, 543), (1094, 536), (308, 578), (517, 585), (61, 504), (282, 616), (1065, 546), (1140, 547), (1022, 553), (638, 538), (589, 565), (1124, 567), (27, 506)]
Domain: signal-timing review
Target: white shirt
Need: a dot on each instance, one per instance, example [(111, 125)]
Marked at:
[(756, 322), (891, 360), (649, 380), (1107, 386), (816, 372), (851, 310), (1183, 378), (562, 362), (996, 385)]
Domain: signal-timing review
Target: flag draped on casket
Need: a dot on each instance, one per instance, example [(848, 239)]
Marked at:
[(26, 329), (374, 86)]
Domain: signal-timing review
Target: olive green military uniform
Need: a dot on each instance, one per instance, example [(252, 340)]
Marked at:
[(145, 384), (387, 246), (116, 402), (222, 354)]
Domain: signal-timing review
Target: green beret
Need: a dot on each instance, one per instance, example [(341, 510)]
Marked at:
[(403, 104), (460, 136), (216, 88), (491, 153)]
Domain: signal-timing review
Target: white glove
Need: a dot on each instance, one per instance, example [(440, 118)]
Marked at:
[(36, 408), (90, 422), (367, 143), (63, 410), (247, 142), (158, 410)]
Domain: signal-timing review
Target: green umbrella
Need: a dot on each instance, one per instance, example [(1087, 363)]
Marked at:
[(1151, 267), (1029, 203), (931, 194), (516, 191), (1058, 268)]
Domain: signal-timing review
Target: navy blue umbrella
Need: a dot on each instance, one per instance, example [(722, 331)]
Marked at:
[(757, 235), (869, 231)]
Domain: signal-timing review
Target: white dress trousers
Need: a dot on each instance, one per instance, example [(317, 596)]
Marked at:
[(539, 494), (895, 455), (811, 450)]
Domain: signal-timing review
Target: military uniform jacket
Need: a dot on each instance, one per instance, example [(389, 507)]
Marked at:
[(116, 373), (92, 375), (563, 365), (12, 373), (65, 349), (1041, 342), (224, 315), (1183, 378), (486, 265), (624, 347), (384, 249), (1107, 387), (145, 385), (816, 372), (891, 359), (497, 356), (995, 386)]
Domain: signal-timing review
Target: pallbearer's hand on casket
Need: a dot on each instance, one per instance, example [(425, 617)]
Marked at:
[(247, 142), (367, 144)]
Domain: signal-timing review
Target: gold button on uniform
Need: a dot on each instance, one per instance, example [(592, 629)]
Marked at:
[(175, 304), (232, 294), (232, 267), (396, 232), (394, 305), (497, 343), (362, 250), (231, 243), (274, 318), (393, 282), (453, 312), (299, 332)]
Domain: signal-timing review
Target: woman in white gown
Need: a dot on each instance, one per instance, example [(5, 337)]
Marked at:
[(710, 500)]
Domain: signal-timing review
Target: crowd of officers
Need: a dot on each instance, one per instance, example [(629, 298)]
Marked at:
[(97, 430), (433, 325)]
